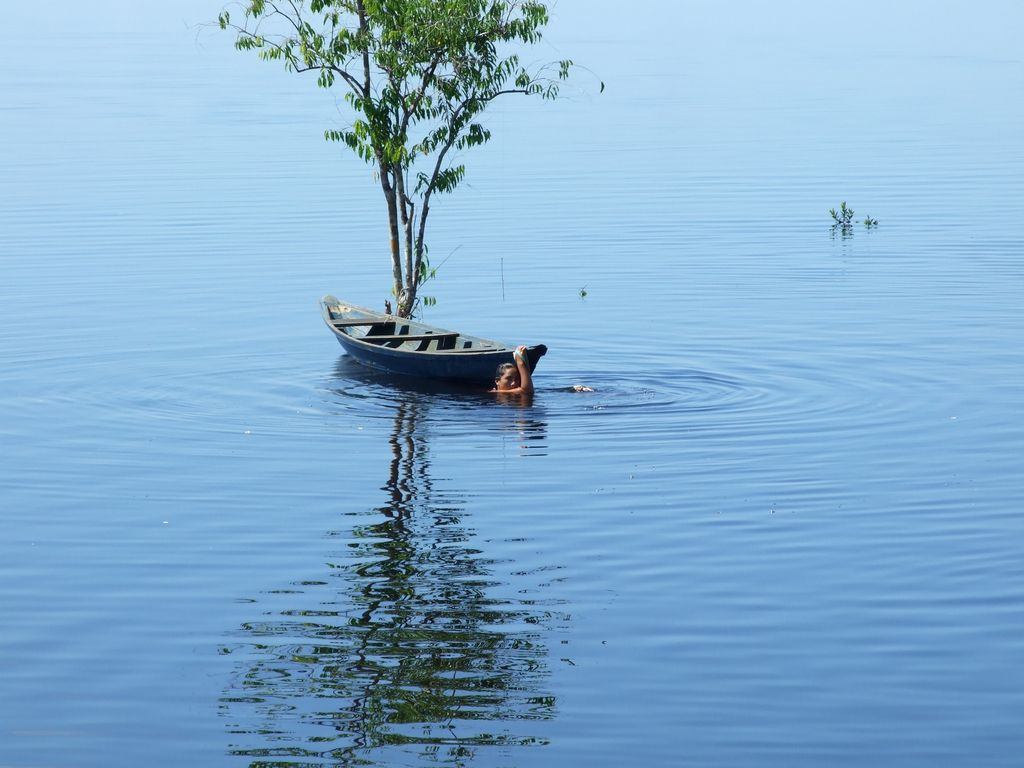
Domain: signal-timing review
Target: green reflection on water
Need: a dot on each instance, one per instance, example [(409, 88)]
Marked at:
[(410, 653)]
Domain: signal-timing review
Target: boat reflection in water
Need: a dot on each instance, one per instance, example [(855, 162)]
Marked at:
[(411, 656)]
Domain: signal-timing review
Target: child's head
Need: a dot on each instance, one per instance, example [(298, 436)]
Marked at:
[(506, 377)]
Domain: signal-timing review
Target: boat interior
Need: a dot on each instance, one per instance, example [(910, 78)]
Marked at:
[(396, 333)]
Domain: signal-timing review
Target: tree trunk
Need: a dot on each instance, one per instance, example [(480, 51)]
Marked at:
[(408, 299), (396, 250), (424, 210)]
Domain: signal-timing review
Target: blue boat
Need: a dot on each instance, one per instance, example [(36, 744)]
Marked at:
[(411, 348)]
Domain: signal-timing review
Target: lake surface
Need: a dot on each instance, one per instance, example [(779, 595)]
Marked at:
[(786, 530)]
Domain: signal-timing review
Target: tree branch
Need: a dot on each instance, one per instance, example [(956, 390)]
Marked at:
[(361, 10)]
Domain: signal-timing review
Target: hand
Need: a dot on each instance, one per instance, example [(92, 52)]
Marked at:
[(520, 352)]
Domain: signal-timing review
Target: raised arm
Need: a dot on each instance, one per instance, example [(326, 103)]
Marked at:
[(525, 379)]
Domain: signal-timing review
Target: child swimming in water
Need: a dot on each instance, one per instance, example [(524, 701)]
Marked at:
[(515, 379)]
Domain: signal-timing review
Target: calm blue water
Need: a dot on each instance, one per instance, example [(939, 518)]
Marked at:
[(785, 531)]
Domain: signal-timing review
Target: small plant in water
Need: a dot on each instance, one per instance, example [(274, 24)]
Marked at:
[(842, 220), (843, 217)]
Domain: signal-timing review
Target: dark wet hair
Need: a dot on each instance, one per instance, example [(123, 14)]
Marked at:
[(502, 368)]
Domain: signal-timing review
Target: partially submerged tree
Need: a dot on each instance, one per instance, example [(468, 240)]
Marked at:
[(417, 75)]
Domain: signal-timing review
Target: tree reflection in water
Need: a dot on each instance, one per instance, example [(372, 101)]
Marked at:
[(414, 659)]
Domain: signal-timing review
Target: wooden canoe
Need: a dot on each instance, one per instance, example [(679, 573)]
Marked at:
[(411, 348)]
